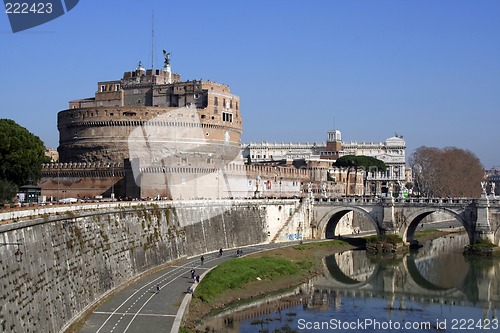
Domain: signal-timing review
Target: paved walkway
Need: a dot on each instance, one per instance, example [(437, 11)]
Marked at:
[(142, 308)]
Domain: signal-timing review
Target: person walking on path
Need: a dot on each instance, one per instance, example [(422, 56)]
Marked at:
[(202, 260), (157, 288), (220, 252)]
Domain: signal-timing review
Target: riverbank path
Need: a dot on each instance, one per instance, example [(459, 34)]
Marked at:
[(153, 303)]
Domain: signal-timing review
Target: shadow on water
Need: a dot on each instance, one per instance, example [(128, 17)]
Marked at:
[(357, 242)]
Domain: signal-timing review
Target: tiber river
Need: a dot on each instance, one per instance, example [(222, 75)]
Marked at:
[(434, 289)]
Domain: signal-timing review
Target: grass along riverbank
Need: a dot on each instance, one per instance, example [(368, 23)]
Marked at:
[(241, 279), (257, 275)]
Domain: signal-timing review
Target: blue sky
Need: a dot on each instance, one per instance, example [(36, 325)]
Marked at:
[(429, 70)]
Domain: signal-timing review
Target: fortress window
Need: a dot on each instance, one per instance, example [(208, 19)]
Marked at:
[(129, 114), (237, 106), (203, 116), (227, 117), (103, 88), (216, 101)]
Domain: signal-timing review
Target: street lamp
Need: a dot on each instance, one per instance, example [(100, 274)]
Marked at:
[(112, 182)]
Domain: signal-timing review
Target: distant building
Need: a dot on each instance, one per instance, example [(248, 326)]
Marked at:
[(392, 152), (52, 154)]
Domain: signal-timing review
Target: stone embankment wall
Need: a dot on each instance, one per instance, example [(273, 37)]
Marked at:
[(52, 268)]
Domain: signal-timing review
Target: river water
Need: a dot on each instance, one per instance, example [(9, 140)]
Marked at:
[(434, 289)]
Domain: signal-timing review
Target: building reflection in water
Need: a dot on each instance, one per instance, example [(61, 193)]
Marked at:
[(436, 277)]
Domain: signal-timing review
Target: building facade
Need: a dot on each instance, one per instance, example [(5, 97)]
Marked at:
[(152, 135), (392, 152)]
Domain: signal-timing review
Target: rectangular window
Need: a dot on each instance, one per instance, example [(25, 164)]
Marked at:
[(227, 117)]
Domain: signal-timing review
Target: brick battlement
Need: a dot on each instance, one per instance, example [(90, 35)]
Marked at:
[(82, 165)]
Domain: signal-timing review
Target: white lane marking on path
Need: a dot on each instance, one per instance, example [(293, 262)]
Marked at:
[(146, 285), (188, 264), (145, 303), (141, 314)]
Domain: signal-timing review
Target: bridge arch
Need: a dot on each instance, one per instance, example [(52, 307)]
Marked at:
[(327, 225), (420, 280), (340, 279), (412, 221), (380, 272), (496, 236)]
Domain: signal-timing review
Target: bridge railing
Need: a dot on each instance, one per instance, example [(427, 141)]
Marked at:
[(406, 201), (453, 201), (350, 200)]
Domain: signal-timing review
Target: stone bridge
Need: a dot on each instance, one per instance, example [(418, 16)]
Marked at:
[(480, 217)]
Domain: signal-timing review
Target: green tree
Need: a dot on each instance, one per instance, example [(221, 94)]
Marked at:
[(358, 163), (21, 154), (346, 162), (370, 164), (7, 190)]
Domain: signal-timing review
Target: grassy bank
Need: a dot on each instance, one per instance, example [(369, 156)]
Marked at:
[(241, 279), (235, 274), (428, 234), (256, 275)]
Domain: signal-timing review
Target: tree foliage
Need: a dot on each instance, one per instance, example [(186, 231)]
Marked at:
[(447, 172), (7, 190), (21, 154), (358, 163)]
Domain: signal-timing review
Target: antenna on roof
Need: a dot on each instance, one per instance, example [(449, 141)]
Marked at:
[(153, 41)]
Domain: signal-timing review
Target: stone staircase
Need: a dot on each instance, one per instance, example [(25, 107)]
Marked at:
[(287, 222)]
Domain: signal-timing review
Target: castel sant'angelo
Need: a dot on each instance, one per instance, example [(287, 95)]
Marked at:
[(150, 134)]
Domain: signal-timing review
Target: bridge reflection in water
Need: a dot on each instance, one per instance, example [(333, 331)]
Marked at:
[(435, 283)]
